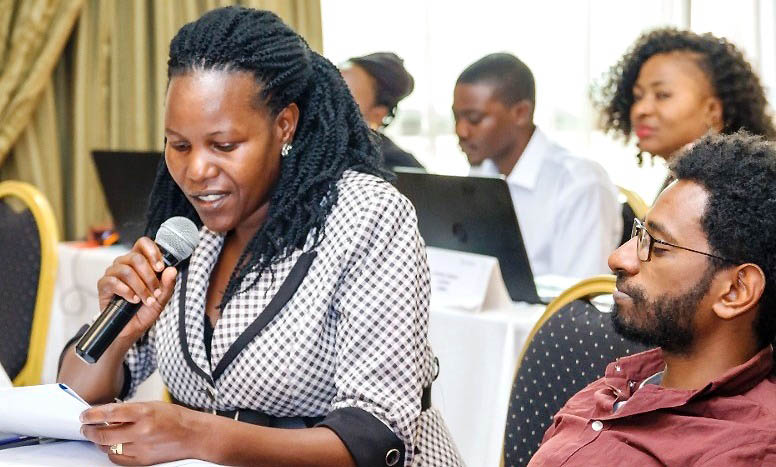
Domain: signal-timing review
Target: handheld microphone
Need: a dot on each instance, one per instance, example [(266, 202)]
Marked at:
[(177, 237)]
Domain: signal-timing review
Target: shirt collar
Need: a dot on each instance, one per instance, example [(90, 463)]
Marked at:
[(742, 378), (526, 171), (736, 380)]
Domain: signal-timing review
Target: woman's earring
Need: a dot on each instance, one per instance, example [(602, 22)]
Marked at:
[(285, 149)]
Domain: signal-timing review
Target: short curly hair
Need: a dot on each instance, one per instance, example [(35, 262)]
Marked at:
[(739, 173), (744, 104)]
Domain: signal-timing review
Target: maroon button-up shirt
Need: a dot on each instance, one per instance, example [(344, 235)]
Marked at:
[(729, 422)]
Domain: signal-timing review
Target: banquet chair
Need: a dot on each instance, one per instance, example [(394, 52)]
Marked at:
[(633, 207), (636, 202), (28, 265), (568, 348)]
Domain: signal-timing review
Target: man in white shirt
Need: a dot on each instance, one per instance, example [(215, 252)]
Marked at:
[(566, 206)]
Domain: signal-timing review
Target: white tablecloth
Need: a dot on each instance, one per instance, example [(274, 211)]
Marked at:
[(477, 353), (477, 357)]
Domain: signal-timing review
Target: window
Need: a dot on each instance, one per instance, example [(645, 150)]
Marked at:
[(567, 44)]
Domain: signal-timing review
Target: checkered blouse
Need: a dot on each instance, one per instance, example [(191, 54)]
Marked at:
[(350, 344)]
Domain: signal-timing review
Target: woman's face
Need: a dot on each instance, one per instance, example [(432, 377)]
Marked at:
[(222, 149), (673, 104)]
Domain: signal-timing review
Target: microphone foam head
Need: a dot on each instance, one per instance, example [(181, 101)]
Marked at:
[(179, 236)]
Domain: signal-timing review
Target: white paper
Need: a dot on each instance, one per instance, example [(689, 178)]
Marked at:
[(49, 410), (466, 281), (71, 454), (549, 286)]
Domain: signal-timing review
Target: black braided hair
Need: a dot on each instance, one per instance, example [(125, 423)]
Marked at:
[(331, 137), (744, 104)]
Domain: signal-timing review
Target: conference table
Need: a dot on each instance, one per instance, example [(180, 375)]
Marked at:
[(477, 352)]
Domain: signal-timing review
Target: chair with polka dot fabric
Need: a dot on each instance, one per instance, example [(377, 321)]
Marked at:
[(570, 347), (28, 265)]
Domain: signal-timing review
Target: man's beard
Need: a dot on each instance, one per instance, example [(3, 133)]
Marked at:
[(667, 322)]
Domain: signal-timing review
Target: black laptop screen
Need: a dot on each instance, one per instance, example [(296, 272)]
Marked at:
[(127, 178)]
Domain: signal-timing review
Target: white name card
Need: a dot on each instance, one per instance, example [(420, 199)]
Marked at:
[(466, 281)]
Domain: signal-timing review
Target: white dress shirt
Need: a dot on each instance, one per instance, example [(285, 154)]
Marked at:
[(566, 206)]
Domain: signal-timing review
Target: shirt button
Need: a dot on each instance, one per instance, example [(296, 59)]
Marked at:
[(597, 425), (392, 457)]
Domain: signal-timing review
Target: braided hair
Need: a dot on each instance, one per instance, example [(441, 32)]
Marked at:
[(731, 76), (331, 136)]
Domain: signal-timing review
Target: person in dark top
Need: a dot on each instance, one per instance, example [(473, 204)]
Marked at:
[(378, 82), (698, 281)]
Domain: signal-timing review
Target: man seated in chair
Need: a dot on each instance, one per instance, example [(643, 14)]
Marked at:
[(697, 280), (566, 206)]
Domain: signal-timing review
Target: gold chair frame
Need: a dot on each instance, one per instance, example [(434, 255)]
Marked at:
[(588, 288), (636, 202), (41, 210)]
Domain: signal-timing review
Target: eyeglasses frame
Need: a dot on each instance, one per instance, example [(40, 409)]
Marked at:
[(638, 226)]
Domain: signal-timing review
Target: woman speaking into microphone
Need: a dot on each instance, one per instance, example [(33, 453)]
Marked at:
[(296, 334)]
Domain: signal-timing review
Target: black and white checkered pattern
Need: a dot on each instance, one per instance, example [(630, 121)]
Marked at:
[(353, 335)]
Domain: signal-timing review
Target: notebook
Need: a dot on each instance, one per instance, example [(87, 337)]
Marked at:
[(127, 178), (472, 214)]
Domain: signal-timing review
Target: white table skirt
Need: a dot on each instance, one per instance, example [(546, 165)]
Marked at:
[(477, 353), (477, 357)]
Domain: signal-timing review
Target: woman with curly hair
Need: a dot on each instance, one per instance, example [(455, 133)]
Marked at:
[(673, 86)]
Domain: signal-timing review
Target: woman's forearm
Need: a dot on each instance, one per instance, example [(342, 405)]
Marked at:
[(225, 441), (99, 382)]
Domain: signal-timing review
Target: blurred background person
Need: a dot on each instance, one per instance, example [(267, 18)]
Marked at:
[(566, 206), (674, 86), (378, 82)]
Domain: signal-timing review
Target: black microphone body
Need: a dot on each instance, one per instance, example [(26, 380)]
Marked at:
[(112, 321)]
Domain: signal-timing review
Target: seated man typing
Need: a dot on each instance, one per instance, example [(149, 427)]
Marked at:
[(566, 206), (697, 280)]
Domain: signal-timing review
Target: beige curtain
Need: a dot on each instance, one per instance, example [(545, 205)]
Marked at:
[(108, 93), (33, 34)]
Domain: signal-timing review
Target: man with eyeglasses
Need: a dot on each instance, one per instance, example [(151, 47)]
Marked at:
[(698, 281)]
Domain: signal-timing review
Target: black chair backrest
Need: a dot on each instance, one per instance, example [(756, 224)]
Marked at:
[(570, 351), (627, 222), (20, 257)]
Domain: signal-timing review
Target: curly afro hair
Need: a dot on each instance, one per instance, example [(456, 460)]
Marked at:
[(739, 173), (735, 83)]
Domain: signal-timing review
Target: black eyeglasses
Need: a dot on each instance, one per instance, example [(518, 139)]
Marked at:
[(645, 241)]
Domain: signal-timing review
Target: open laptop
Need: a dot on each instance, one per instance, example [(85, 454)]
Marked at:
[(473, 214), (127, 178)]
